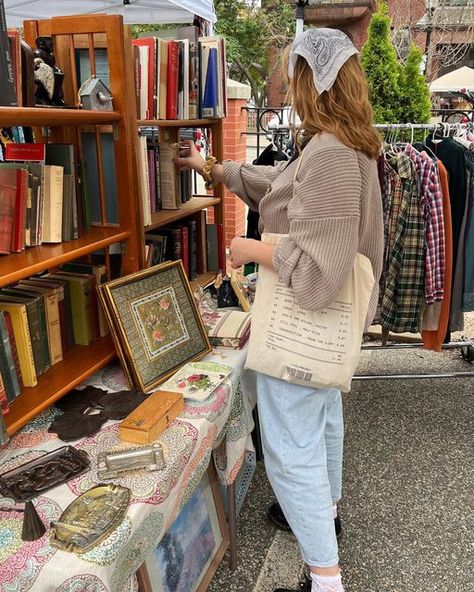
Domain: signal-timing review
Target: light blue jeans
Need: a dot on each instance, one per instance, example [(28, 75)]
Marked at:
[(302, 435)]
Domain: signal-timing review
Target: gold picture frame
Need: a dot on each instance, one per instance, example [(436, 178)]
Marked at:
[(198, 538), (155, 323)]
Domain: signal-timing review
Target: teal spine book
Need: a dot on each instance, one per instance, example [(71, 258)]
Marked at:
[(7, 362)]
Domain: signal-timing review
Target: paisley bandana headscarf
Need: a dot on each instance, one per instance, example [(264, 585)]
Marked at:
[(326, 51)]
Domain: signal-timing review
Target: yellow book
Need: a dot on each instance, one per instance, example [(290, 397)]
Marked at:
[(21, 331), (53, 204)]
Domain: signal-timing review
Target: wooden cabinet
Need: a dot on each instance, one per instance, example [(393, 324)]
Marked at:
[(66, 125)]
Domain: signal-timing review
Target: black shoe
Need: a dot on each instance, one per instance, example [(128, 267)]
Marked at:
[(275, 515), (303, 586)]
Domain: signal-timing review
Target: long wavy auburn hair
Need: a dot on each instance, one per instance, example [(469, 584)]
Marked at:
[(344, 110)]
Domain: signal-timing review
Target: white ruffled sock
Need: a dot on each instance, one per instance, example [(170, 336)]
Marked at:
[(326, 583)]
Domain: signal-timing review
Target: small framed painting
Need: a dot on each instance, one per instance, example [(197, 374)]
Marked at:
[(155, 323), (189, 553)]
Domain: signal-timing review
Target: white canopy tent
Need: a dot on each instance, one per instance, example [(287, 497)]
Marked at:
[(457, 80), (133, 11)]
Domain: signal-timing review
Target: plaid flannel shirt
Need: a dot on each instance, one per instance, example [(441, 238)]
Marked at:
[(403, 292), (431, 201)]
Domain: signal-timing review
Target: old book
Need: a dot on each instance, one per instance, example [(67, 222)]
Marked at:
[(64, 306), (7, 363), (18, 233), (201, 243), (53, 326), (8, 183), (35, 308), (147, 60), (21, 331), (15, 52), (172, 80), (163, 77), (99, 271), (53, 204), (227, 328), (212, 247), (80, 289), (11, 337), (192, 225), (184, 240), (151, 418), (144, 180), (8, 96), (170, 177)]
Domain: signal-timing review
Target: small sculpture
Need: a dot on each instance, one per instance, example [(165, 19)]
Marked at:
[(48, 76)]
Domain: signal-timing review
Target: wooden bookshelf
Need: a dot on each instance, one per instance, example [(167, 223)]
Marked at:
[(34, 259), (78, 364), (195, 204), (54, 117)]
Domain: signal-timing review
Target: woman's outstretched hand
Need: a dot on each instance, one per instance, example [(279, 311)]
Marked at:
[(189, 157)]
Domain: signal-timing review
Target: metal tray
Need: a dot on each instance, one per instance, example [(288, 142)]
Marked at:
[(45, 472), (111, 464), (90, 518)]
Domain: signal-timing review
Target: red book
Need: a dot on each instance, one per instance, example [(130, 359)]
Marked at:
[(221, 248), (172, 80), (8, 183), (33, 152), (149, 42), (11, 337), (19, 220), (184, 230)]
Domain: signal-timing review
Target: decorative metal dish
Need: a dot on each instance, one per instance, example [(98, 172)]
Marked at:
[(90, 518), (111, 464), (43, 473)]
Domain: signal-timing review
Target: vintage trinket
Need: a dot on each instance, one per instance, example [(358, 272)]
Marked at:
[(111, 464), (90, 518), (94, 95)]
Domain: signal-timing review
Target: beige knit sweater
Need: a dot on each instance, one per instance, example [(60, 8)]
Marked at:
[(331, 211)]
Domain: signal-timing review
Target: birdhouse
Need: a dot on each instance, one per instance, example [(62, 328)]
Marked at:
[(94, 95)]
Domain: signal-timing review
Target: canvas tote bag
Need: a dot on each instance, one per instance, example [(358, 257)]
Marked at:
[(318, 349)]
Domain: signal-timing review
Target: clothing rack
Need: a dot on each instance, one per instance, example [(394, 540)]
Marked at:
[(466, 346)]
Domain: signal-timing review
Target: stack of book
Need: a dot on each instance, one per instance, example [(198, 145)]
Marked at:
[(40, 196), (180, 78), (227, 328), (193, 241), (41, 318)]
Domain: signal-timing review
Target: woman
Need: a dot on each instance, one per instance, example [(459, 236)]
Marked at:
[(330, 211)]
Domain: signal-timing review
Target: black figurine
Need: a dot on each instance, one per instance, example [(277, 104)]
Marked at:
[(48, 76)]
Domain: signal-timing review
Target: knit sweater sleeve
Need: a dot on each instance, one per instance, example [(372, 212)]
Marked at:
[(317, 256), (250, 182)]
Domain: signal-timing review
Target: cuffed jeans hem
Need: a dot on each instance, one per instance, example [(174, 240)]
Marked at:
[(311, 564)]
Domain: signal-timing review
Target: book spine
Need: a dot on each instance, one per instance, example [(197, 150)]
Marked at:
[(8, 96), (8, 370), (163, 82), (23, 343), (192, 250), (32, 312), (8, 188), (54, 325), (172, 80), (12, 340), (43, 325), (18, 233), (63, 320), (201, 246), (184, 236)]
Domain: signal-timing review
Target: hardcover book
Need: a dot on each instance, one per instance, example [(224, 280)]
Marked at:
[(21, 331), (4, 407), (227, 328), (8, 184), (8, 96), (11, 337), (7, 363)]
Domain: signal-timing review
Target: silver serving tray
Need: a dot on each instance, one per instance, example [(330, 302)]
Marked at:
[(111, 464)]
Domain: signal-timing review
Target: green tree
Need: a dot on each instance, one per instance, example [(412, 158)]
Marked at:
[(379, 60), (415, 102), (251, 31)]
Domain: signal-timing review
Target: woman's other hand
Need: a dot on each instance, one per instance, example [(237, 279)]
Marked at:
[(189, 157)]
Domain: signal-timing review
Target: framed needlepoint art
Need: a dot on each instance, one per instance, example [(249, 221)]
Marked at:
[(189, 553), (155, 323)]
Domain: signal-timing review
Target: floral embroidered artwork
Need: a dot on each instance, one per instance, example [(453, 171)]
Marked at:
[(160, 321), (197, 380)]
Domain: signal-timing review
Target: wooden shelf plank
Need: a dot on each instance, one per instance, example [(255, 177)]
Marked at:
[(80, 362), (34, 259), (54, 117), (195, 204), (178, 122)]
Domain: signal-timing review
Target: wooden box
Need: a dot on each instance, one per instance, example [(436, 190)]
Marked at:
[(151, 418)]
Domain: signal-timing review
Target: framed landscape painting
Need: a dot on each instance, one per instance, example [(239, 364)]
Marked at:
[(156, 325), (188, 554)]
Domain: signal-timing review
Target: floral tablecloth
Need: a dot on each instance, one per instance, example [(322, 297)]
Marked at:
[(221, 425)]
